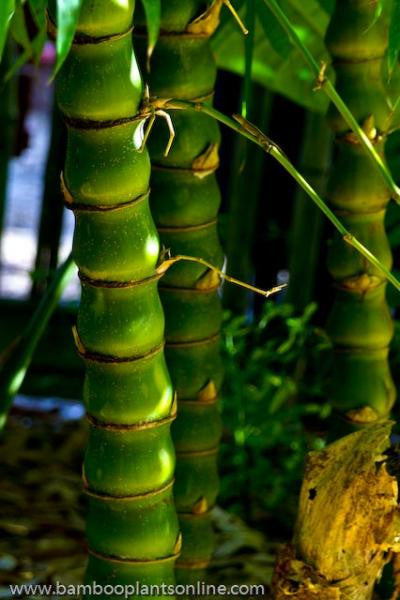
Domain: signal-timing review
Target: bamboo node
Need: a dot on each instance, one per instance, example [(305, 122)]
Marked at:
[(129, 428), (207, 23), (174, 406), (80, 207), (200, 507), (368, 126), (210, 281), (321, 78), (150, 111), (208, 393), (105, 358), (207, 162), (81, 39), (178, 544), (132, 561), (361, 283)]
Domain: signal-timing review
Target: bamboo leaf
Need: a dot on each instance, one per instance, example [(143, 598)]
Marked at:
[(7, 8), (67, 21), (38, 12), (14, 362), (273, 30), (249, 55), (327, 5), (152, 9), (394, 35), (19, 30), (32, 48), (277, 65)]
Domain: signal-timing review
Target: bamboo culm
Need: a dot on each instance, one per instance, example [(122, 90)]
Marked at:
[(132, 527), (185, 201), (360, 325)]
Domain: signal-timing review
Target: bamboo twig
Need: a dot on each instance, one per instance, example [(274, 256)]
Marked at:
[(168, 262)]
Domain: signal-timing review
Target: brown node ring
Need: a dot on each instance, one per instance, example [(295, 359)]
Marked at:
[(104, 358), (79, 207), (130, 498)]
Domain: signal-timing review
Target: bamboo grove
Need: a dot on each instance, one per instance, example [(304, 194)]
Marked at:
[(184, 201), (132, 528), (149, 335)]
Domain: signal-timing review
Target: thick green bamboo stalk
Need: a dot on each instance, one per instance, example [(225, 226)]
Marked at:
[(307, 219), (132, 528), (360, 324), (185, 201)]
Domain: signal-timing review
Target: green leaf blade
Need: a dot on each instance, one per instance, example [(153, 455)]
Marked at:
[(67, 20), (7, 8), (394, 35), (152, 9)]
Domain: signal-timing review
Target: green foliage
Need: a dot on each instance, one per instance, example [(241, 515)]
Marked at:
[(277, 64), (152, 9), (394, 35), (31, 48), (273, 31), (7, 8), (67, 21), (272, 400)]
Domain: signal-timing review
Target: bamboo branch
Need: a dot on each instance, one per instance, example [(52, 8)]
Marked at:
[(168, 262), (252, 133), (324, 83)]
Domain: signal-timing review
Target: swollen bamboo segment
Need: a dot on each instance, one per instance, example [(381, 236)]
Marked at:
[(185, 201), (132, 527), (360, 325)]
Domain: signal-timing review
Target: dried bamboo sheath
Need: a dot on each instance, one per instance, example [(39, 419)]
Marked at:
[(132, 528), (185, 200)]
